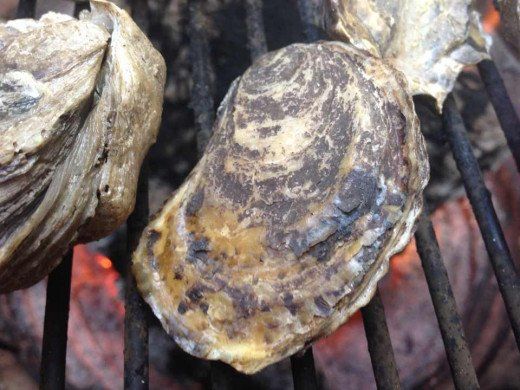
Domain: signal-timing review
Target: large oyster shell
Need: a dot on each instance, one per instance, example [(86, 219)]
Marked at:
[(311, 181), (430, 41), (80, 104)]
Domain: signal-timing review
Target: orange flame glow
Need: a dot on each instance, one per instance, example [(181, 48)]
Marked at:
[(491, 18)]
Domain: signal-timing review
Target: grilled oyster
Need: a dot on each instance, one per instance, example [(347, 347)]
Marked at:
[(311, 181), (429, 41), (80, 104), (510, 17)]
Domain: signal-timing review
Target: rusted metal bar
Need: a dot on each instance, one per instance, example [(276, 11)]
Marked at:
[(504, 109), (255, 28), (450, 324), (202, 101), (379, 345), (136, 324), (26, 9), (303, 371), (480, 199), (54, 345)]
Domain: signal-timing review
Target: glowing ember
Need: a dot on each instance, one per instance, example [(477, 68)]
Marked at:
[(491, 18)]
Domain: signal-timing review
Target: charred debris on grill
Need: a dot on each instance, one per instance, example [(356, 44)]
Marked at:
[(272, 243), (80, 104)]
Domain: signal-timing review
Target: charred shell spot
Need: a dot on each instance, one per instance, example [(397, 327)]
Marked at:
[(195, 202)]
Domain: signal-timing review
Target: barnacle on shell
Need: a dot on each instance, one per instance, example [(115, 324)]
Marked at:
[(312, 180), (430, 41), (80, 104)]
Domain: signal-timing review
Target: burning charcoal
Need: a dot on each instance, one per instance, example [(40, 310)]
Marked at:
[(510, 16), (80, 104), (312, 180), (429, 41)]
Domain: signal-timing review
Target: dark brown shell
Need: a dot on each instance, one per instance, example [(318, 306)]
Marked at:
[(311, 181)]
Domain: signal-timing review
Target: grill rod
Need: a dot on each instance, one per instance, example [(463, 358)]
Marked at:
[(506, 114), (480, 199), (55, 327), (136, 351), (26, 9), (380, 348), (54, 345), (202, 103), (450, 324), (380, 345)]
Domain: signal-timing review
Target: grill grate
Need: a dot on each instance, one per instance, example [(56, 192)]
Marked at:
[(385, 371)]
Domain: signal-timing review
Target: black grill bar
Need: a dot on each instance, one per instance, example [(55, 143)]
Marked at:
[(202, 104), (303, 371), (54, 345), (26, 9), (376, 329), (136, 362), (306, 15), (504, 109), (255, 28), (202, 101), (450, 324), (480, 199), (136, 324), (379, 345)]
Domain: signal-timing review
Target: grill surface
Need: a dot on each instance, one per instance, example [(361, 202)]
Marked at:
[(385, 371)]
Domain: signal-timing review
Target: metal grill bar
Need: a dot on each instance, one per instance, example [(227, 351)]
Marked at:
[(202, 101), (379, 345), (26, 9), (255, 28), (136, 324), (303, 371), (376, 329), (504, 109), (136, 359), (202, 104), (306, 15), (54, 345), (480, 199), (450, 324)]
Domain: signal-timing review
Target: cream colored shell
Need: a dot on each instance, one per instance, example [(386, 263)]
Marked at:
[(80, 104), (429, 41)]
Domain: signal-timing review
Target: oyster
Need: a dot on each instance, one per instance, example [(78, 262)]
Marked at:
[(80, 104), (510, 18), (430, 41), (312, 180)]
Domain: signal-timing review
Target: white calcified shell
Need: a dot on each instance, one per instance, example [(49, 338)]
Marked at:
[(430, 41), (312, 180), (80, 104)]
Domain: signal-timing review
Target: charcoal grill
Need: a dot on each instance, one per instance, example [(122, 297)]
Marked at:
[(52, 372)]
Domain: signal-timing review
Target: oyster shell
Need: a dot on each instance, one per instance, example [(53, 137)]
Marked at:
[(430, 41), (510, 18), (312, 180), (80, 104)]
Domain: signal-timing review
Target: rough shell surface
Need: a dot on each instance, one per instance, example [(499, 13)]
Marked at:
[(430, 41), (311, 181), (80, 104)]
